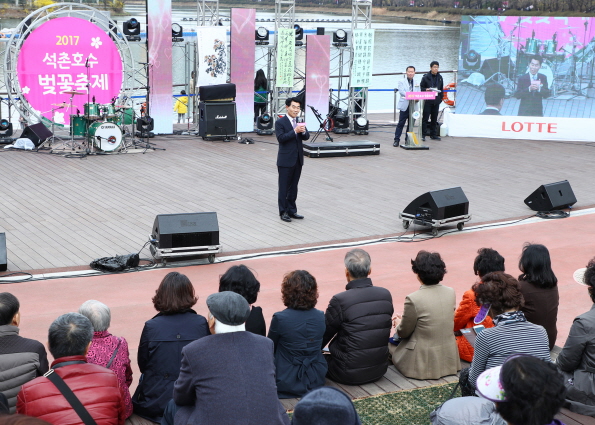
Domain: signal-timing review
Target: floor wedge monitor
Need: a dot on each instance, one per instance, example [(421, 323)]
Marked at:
[(552, 196), (445, 203)]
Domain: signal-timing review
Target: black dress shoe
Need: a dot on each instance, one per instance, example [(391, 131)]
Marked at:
[(285, 217), (423, 139), (296, 216), (435, 138), (396, 143)]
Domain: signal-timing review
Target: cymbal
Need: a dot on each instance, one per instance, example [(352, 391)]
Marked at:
[(569, 28), (73, 92), (63, 104), (123, 106)]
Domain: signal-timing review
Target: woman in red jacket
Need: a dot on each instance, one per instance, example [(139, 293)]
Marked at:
[(488, 260)]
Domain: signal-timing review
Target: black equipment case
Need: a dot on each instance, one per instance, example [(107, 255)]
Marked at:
[(355, 148)]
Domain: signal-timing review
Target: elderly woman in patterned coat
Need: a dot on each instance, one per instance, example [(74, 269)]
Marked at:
[(108, 350)]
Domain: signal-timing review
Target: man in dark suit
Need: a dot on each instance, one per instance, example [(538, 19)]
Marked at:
[(290, 158), (432, 81), (531, 89), (494, 98)]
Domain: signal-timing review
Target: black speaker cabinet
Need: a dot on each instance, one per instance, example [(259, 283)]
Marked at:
[(217, 93), (186, 230), (445, 203), (3, 257), (37, 133), (217, 120), (552, 196)]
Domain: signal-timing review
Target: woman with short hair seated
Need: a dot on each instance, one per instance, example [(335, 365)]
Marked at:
[(466, 316), (427, 348), (513, 334), (161, 342), (107, 350), (297, 334), (577, 358), (241, 280)]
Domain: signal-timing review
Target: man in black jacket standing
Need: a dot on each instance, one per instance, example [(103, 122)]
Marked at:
[(432, 81), (358, 321)]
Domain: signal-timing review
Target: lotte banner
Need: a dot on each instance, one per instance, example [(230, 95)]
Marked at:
[(68, 54)]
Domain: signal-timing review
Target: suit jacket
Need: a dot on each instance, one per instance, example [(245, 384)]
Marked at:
[(291, 149), (490, 112), (427, 82), (228, 379), (531, 104), (428, 349), (403, 88)]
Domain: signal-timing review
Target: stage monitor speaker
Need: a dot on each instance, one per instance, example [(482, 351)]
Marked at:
[(445, 203), (491, 66), (552, 196), (217, 120), (186, 230), (3, 257), (37, 133), (218, 93), (319, 30)]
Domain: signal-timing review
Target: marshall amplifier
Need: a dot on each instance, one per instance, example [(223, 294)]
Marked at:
[(217, 120), (218, 93)]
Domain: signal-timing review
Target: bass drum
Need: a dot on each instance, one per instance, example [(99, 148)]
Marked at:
[(106, 136)]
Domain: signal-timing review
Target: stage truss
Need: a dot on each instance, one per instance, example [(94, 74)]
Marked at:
[(361, 18), (39, 17)]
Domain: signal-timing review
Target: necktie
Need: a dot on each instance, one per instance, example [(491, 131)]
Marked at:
[(411, 85), (293, 123)]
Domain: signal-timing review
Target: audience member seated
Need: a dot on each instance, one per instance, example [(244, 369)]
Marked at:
[(358, 321), (513, 334), (577, 358), (161, 343), (466, 411), (526, 390), (427, 348), (107, 350), (241, 280), (487, 261), (21, 359), (21, 420), (229, 377), (297, 334), (539, 287), (325, 406), (96, 387)]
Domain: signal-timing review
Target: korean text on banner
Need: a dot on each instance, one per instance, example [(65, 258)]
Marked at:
[(285, 57), (363, 54)]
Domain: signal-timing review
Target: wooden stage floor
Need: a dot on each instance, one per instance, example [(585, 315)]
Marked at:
[(63, 213)]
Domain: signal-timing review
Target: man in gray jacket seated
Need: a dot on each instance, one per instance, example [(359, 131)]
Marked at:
[(21, 359), (228, 377)]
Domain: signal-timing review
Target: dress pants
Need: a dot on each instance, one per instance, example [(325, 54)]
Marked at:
[(430, 111), (289, 178), (403, 116)]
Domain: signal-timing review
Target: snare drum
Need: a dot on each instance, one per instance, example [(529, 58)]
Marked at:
[(550, 47), (78, 125), (106, 136), (108, 110), (532, 46), (92, 111)]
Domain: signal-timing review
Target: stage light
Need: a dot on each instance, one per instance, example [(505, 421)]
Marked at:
[(341, 122), (144, 127), (262, 36), (340, 38), (472, 60), (131, 29), (360, 126), (177, 33), (5, 128), (264, 125), (299, 35)]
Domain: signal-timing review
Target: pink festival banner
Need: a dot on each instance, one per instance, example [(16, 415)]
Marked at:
[(318, 51), (68, 54), (242, 64), (420, 95)]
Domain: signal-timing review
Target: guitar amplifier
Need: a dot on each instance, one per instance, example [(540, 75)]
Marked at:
[(217, 120), (218, 93)]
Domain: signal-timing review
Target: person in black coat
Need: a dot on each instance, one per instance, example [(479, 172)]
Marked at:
[(430, 82), (290, 158), (358, 321), (241, 280), (532, 87), (161, 343), (494, 99), (297, 333)]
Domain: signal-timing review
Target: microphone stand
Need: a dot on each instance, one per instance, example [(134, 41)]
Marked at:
[(322, 123)]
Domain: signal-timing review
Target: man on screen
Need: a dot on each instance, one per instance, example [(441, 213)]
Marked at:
[(494, 98), (531, 89)]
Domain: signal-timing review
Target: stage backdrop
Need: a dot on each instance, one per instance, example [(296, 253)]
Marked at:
[(159, 44), (242, 64), (62, 55), (318, 50), (212, 55), (530, 72)]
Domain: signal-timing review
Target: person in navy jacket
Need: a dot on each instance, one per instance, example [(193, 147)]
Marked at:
[(290, 158)]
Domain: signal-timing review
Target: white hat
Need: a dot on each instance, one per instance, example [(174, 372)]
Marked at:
[(489, 386), (579, 276)]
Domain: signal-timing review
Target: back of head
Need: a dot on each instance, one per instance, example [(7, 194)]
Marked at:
[(589, 278), (175, 294), (499, 289), (534, 391), (536, 265), (241, 280), (69, 335), (488, 260), (325, 406), (358, 263), (229, 308), (494, 94), (429, 267), (9, 306), (299, 290), (98, 313)]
